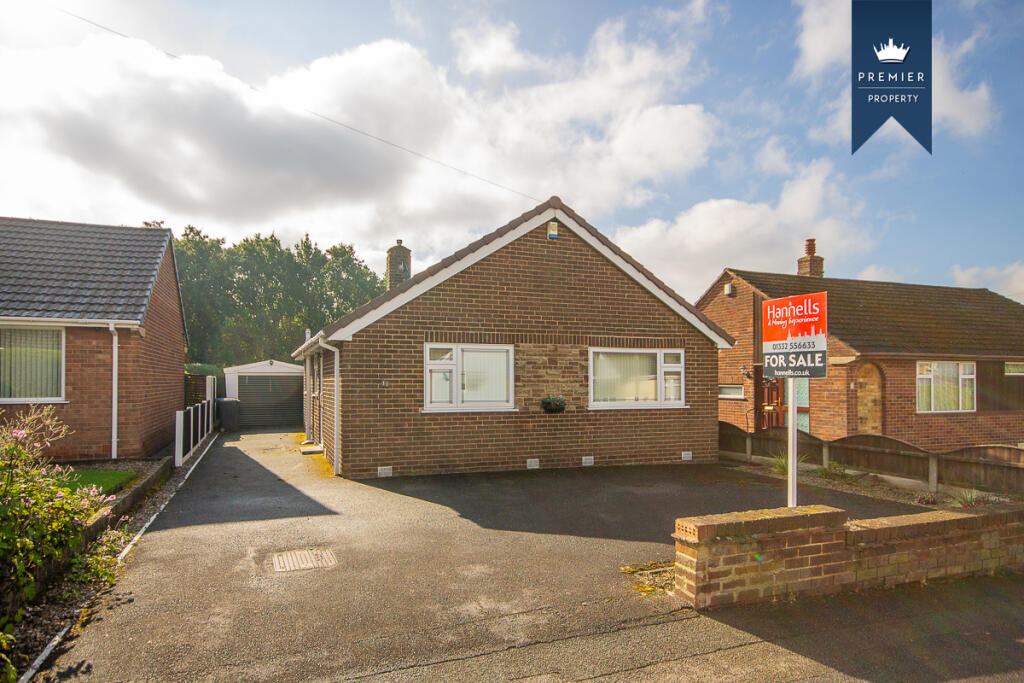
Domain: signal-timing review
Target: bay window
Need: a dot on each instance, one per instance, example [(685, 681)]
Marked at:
[(31, 364), (1011, 369), (468, 377), (637, 378), (946, 387)]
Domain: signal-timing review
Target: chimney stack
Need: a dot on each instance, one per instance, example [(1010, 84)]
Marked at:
[(810, 264), (399, 265)]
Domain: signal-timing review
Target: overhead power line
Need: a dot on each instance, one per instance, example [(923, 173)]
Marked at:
[(324, 117)]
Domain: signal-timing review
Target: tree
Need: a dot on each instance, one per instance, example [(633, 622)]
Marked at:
[(255, 299)]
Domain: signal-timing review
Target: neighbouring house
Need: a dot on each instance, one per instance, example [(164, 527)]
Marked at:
[(91, 323), (446, 371), (938, 367)]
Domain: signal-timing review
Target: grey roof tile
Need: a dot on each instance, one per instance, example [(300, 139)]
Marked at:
[(53, 269)]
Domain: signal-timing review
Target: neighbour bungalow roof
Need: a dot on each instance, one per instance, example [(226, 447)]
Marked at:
[(906, 319), (78, 271), (464, 257)]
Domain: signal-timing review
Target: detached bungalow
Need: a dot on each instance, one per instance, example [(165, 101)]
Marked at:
[(91, 322), (938, 367), (446, 371)]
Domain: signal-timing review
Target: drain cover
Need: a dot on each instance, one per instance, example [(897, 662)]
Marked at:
[(309, 558)]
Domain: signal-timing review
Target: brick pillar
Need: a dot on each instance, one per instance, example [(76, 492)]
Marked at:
[(399, 265)]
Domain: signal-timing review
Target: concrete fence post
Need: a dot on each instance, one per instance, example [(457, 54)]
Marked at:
[(179, 436), (750, 449), (933, 472), (826, 457)]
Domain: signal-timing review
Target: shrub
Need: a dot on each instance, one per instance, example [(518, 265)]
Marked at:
[(970, 499), (834, 470), (41, 520), (927, 499), (780, 462)]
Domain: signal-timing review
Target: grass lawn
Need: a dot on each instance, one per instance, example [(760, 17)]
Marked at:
[(108, 481)]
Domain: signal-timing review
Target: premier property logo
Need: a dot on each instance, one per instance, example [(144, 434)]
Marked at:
[(890, 79)]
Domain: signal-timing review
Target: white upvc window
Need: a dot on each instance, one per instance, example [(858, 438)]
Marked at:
[(946, 387), (730, 391), (637, 378), (1013, 369), (468, 377), (31, 364)]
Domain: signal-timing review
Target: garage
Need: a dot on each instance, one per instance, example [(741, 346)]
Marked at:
[(269, 393)]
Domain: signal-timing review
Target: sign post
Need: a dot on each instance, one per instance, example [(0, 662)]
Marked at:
[(794, 344)]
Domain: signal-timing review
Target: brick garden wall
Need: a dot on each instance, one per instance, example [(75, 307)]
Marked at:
[(552, 299), (761, 555)]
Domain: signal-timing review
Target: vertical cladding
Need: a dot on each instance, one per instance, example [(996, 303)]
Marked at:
[(150, 386), (552, 299)]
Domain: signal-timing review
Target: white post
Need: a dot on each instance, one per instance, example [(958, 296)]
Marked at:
[(211, 387), (113, 394), (791, 390), (179, 436)]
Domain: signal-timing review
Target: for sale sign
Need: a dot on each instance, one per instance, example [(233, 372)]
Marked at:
[(794, 332)]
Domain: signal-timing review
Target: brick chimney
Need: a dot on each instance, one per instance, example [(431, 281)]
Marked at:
[(399, 265), (810, 264)]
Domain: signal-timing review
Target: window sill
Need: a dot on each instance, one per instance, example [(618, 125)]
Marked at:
[(732, 398), (468, 410), (946, 412), (30, 401), (638, 406)]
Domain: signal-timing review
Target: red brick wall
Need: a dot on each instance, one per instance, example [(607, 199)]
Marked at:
[(552, 299), (150, 381), (939, 431), (761, 555), (735, 315), (155, 386)]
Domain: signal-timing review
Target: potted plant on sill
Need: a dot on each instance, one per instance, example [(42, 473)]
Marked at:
[(553, 404)]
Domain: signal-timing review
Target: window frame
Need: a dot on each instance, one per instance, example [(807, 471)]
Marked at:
[(455, 365), (960, 377), (662, 368), (63, 367), (1006, 369), (741, 397)]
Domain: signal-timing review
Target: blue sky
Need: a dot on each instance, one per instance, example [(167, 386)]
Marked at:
[(695, 134)]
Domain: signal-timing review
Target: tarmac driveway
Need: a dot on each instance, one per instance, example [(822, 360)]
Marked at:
[(431, 572)]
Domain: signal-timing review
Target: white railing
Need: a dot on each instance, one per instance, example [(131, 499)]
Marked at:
[(191, 426)]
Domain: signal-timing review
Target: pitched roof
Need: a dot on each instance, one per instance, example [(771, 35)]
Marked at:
[(898, 318), (554, 203), (78, 271)]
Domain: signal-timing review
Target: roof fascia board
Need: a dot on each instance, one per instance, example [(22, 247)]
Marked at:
[(345, 333), (28, 321)]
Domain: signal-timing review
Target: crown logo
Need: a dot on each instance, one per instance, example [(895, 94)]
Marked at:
[(891, 53)]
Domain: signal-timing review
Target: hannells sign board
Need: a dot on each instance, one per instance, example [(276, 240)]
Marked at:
[(794, 336)]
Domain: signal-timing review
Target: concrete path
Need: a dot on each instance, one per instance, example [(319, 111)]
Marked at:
[(491, 577)]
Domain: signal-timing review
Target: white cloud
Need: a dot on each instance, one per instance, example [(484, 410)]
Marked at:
[(105, 129), (692, 13), (967, 111), (772, 158), (1008, 280), (876, 271), (488, 50), (689, 251), (824, 37), (407, 17)]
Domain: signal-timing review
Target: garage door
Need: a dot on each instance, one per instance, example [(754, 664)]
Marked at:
[(270, 400)]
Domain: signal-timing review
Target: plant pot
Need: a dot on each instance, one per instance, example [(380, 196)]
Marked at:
[(552, 406)]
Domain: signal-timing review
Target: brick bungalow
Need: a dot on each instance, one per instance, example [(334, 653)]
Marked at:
[(446, 370), (91, 323), (938, 367)]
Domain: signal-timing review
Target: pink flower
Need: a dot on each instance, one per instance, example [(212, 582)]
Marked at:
[(107, 511), (36, 444), (85, 503), (60, 494), (18, 433), (47, 444), (56, 468), (110, 498)]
